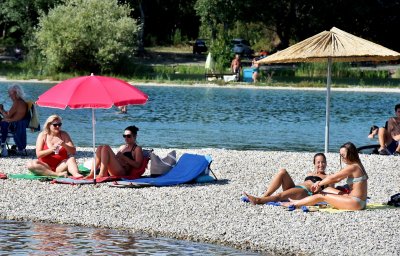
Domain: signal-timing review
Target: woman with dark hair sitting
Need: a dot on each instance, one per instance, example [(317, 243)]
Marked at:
[(128, 158), (356, 178), (290, 190)]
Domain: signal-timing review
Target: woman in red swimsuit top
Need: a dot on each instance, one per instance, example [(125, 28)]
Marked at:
[(54, 150), (128, 158)]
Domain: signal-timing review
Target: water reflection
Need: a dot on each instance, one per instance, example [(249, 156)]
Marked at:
[(27, 238)]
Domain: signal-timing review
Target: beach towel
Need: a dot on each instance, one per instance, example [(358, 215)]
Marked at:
[(3, 175), (324, 207), (31, 176), (73, 181), (187, 169)]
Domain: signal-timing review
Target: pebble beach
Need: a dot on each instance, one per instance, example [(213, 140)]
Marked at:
[(213, 212)]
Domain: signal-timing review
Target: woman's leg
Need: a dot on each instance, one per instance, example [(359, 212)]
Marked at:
[(40, 168), (294, 193), (97, 162), (72, 167), (109, 164), (344, 202), (282, 178)]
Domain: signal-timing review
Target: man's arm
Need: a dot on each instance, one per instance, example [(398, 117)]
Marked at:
[(16, 112)]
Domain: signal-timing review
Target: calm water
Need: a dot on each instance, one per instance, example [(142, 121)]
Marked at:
[(27, 238), (244, 119)]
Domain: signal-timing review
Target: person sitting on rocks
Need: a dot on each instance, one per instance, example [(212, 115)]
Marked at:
[(290, 190), (356, 179), (389, 138), (16, 118), (128, 158), (55, 151)]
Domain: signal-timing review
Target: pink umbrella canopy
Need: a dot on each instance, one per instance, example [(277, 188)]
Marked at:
[(91, 92)]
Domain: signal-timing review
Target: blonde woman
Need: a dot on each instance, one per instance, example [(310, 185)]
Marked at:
[(54, 150)]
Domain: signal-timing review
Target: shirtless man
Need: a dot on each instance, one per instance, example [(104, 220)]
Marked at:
[(16, 113), (390, 144), (236, 65)]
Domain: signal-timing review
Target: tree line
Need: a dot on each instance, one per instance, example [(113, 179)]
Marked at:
[(66, 35)]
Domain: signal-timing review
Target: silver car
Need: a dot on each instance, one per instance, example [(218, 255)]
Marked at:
[(241, 46)]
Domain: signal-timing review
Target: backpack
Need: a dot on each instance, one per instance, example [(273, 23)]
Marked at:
[(34, 123), (159, 166), (394, 200)]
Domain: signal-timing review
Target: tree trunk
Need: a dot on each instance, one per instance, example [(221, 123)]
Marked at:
[(140, 49)]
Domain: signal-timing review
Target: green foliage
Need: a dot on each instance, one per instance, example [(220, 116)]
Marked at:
[(85, 35), (178, 39), (221, 52), (339, 69)]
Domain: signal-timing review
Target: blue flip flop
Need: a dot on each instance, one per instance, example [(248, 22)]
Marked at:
[(305, 209), (274, 203), (245, 199)]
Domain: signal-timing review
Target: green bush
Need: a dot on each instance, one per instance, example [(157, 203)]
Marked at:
[(85, 35)]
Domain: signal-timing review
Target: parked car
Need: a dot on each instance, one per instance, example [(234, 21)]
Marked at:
[(241, 46), (199, 46)]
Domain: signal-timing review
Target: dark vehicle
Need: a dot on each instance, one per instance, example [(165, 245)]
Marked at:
[(199, 46), (241, 46)]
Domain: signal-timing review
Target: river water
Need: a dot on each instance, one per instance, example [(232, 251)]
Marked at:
[(188, 117), (242, 119), (27, 238)]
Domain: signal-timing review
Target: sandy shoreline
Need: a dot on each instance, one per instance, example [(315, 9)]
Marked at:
[(235, 85), (214, 213)]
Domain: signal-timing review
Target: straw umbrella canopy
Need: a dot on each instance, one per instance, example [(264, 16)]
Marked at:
[(328, 46)]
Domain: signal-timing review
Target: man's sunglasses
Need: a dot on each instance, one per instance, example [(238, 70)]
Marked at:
[(127, 135)]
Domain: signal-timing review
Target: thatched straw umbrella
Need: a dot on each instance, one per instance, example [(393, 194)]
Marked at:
[(334, 45)]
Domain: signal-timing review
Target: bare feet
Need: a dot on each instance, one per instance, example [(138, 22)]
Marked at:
[(252, 199), (77, 175), (286, 204), (290, 203), (62, 174)]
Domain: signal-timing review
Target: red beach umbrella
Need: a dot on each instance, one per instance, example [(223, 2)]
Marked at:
[(92, 92)]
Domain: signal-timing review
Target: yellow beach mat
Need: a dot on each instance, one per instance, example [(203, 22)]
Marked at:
[(370, 207)]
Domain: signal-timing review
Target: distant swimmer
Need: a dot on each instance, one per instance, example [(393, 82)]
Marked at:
[(123, 109)]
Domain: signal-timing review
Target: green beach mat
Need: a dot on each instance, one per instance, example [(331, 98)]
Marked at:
[(30, 176)]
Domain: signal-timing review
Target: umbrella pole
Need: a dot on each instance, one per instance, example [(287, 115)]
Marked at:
[(328, 104), (94, 145)]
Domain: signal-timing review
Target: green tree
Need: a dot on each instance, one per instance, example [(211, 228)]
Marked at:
[(18, 17), (86, 35)]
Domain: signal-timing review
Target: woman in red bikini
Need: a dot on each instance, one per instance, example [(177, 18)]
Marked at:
[(128, 158), (55, 150)]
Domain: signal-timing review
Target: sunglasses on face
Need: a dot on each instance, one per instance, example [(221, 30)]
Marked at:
[(57, 124), (127, 135)]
